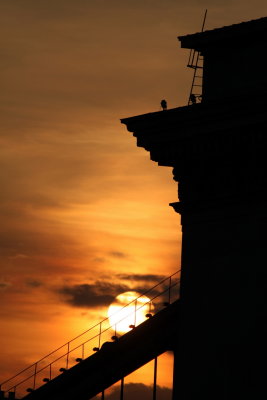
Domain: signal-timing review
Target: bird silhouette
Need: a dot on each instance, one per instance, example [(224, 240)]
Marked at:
[(163, 104)]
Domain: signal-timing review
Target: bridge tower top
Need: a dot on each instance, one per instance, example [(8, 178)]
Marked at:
[(234, 59)]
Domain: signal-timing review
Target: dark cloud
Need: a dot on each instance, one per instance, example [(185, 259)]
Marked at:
[(33, 283), (23, 244), (144, 284), (103, 293), (141, 277), (4, 285), (135, 391), (118, 254), (92, 295), (99, 260)]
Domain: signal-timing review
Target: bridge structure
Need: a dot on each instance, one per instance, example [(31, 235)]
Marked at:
[(217, 149), (102, 355)]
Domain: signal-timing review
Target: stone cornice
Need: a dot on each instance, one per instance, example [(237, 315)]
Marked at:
[(217, 151), (199, 129)]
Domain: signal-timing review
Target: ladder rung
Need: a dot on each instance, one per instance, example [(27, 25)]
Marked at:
[(194, 67)]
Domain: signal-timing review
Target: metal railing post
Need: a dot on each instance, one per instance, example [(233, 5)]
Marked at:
[(34, 376), (83, 351), (135, 306), (99, 336), (170, 285), (68, 352), (155, 379)]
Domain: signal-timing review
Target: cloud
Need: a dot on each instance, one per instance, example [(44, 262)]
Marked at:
[(103, 293), (4, 285), (22, 244), (33, 283), (144, 283), (142, 277), (135, 391), (91, 295), (118, 254)]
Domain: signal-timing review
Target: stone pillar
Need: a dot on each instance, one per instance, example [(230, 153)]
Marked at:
[(223, 207)]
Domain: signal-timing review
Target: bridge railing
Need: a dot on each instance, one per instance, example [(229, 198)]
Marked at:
[(125, 318)]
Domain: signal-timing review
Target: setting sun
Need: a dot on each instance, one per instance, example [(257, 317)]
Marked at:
[(128, 310)]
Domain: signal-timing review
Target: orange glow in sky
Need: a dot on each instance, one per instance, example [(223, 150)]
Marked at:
[(84, 212)]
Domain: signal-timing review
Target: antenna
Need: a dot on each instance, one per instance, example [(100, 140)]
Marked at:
[(195, 62)]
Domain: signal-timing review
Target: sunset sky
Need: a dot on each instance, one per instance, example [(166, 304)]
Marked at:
[(84, 212)]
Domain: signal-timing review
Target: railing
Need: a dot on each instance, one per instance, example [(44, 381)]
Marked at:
[(91, 340)]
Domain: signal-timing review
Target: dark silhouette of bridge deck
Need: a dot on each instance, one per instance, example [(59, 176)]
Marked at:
[(114, 360), (109, 361)]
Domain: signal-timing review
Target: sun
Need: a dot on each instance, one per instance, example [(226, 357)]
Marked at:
[(128, 310)]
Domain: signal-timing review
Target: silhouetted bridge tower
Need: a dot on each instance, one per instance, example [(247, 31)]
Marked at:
[(217, 148)]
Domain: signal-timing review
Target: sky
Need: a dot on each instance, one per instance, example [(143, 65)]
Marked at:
[(84, 212)]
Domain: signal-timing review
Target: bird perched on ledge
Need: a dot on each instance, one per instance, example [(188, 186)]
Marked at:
[(163, 104)]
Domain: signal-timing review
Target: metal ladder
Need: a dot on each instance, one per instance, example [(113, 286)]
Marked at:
[(195, 62)]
